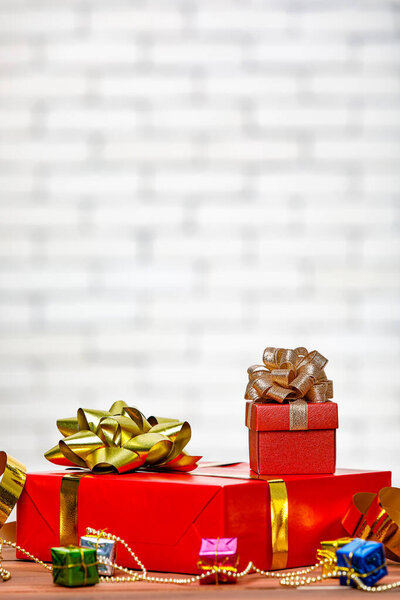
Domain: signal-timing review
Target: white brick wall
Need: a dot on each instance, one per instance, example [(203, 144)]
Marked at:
[(184, 183)]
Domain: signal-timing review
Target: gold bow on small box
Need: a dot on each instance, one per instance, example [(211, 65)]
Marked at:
[(289, 375), (295, 376), (121, 440)]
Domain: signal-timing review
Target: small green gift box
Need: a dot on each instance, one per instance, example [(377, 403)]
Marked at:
[(74, 567)]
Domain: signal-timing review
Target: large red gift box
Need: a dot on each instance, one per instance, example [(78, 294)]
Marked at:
[(164, 516), (275, 448)]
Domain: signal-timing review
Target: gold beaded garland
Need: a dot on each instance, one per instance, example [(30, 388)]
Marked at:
[(287, 578)]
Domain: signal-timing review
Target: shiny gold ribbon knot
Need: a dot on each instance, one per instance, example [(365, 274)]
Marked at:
[(122, 439), (289, 375), (376, 517)]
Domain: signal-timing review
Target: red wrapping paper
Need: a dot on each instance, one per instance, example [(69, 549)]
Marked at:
[(273, 448), (164, 516)]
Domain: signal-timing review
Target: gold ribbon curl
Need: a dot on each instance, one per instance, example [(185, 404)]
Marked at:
[(122, 439), (376, 517), (11, 485), (289, 375)]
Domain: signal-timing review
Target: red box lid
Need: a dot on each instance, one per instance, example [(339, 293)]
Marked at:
[(276, 417)]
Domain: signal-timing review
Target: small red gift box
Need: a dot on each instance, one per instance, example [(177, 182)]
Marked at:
[(275, 447), (164, 516)]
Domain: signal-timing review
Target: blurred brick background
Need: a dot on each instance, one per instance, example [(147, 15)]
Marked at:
[(184, 183)]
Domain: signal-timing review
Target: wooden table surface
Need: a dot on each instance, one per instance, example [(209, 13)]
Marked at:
[(34, 582)]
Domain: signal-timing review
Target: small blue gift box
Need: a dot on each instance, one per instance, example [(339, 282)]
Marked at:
[(104, 548), (366, 558)]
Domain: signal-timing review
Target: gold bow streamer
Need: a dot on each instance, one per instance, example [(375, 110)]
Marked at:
[(11, 485), (376, 517), (121, 440), (289, 375)]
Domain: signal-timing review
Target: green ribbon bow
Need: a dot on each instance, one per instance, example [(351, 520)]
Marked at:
[(122, 439)]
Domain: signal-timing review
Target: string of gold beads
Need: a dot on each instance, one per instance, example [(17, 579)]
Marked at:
[(4, 574), (293, 581), (134, 576), (287, 578), (28, 554)]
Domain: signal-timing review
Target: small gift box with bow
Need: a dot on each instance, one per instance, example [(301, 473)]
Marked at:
[(105, 548), (74, 567), (364, 559), (292, 424), (221, 555), (327, 551)]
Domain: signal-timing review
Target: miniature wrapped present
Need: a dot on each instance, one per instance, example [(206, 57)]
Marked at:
[(292, 422), (105, 548), (328, 551), (364, 559), (221, 555), (74, 567)]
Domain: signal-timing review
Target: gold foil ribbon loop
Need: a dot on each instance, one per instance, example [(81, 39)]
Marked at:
[(376, 517), (11, 485)]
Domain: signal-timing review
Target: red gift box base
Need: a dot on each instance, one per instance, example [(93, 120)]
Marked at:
[(304, 451), (164, 516)]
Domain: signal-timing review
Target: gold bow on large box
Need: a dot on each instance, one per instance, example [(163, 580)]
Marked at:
[(122, 439)]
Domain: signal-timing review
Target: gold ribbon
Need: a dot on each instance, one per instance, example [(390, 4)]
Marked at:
[(298, 415), (289, 375), (11, 485), (376, 517), (69, 535), (279, 523), (121, 440)]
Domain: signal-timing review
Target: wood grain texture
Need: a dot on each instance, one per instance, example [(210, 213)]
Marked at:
[(33, 582)]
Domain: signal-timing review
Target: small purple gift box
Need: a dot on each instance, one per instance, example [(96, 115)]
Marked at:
[(219, 554)]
